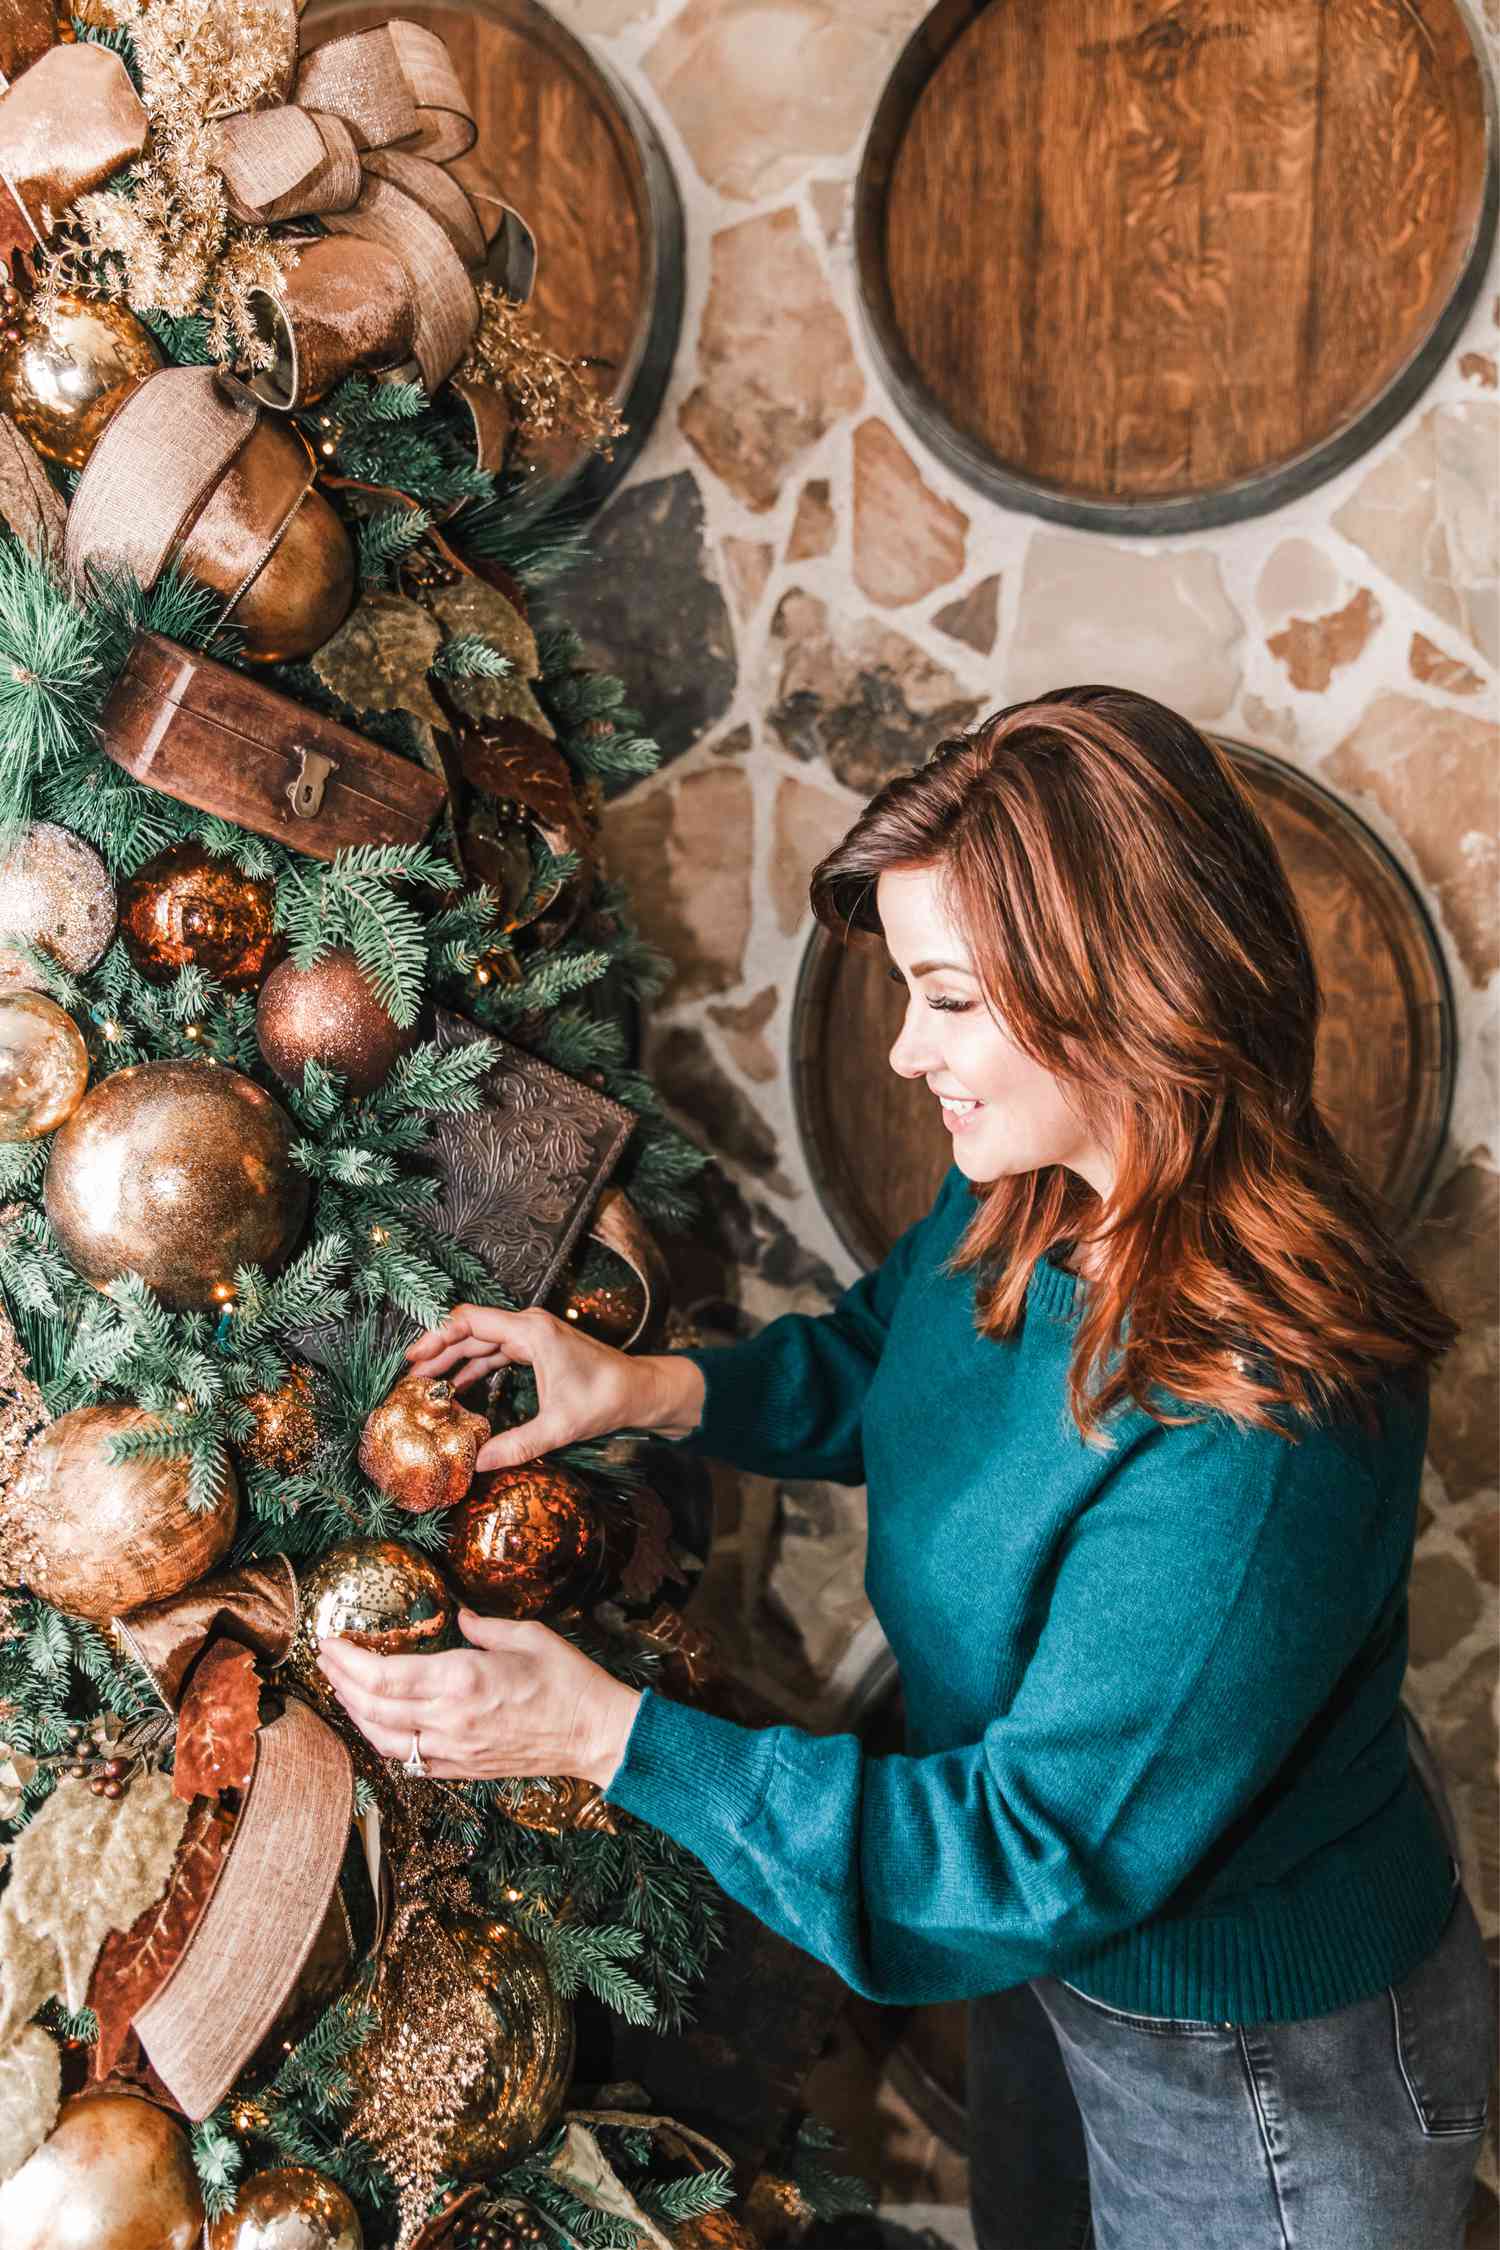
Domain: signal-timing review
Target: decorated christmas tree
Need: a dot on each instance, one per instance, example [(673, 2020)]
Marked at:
[(315, 1018)]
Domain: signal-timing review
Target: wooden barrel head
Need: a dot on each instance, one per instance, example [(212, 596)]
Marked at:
[(876, 1145), (1148, 267), (572, 151)]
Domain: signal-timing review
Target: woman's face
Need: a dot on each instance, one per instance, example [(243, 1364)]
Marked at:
[(1017, 1117)]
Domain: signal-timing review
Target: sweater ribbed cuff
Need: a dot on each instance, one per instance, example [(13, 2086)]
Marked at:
[(698, 1777), (722, 1414)]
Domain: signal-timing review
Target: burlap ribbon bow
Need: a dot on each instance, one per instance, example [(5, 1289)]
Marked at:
[(363, 141)]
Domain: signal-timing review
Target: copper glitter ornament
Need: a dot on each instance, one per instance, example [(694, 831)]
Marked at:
[(526, 1540), (777, 2211), (44, 1066), (98, 1537), (67, 370), (187, 909), (116, 2172), (418, 1446), (285, 1436), (491, 1985), (378, 1593), (56, 893), (180, 1172), (328, 1014), (290, 2207), (714, 2230)]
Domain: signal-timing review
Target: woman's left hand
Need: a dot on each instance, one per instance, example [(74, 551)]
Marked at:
[(519, 1700)]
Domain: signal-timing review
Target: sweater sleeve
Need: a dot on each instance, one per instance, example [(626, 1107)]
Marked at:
[(788, 1400), (1169, 1681)]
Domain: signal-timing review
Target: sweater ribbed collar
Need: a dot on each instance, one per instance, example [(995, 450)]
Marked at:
[(1055, 1291)]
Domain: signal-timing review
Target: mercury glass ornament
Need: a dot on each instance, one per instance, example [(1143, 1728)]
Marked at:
[(418, 1446), (378, 1593), (55, 892), (526, 1540), (290, 2207), (328, 1014), (116, 2172), (98, 1537), (44, 1066), (180, 1172), (68, 370), (188, 909), (285, 1436)]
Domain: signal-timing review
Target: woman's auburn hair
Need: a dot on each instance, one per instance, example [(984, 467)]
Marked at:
[(1133, 929)]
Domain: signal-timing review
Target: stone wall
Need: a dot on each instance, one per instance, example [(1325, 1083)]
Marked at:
[(801, 599)]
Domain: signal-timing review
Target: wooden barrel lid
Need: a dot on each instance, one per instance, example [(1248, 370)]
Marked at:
[(876, 1145), (1147, 269), (575, 154)]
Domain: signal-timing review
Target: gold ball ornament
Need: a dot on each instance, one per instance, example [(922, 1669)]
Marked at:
[(44, 1066), (98, 1537), (291, 2207), (328, 1014), (378, 1593), (187, 909), (115, 2173), (526, 1540), (68, 369), (180, 1172), (502, 1993), (418, 1446), (56, 894), (285, 1436)]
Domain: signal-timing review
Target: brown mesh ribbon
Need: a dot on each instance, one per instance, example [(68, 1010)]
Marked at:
[(256, 1605), (252, 1938), (65, 125)]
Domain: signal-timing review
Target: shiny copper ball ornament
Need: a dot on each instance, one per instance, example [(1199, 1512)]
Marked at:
[(180, 1172), (56, 893), (44, 1066), (418, 1446), (187, 909), (328, 1014), (525, 2025), (98, 1537), (301, 591), (378, 1593), (116, 2172), (526, 1540), (285, 1436), (291, 2207), (68, 369)]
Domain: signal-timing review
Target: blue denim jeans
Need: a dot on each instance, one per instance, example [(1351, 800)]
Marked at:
[(1090, 2129)]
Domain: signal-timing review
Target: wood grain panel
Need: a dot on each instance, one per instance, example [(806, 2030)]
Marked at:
[(876, 1144), (1129, 253)]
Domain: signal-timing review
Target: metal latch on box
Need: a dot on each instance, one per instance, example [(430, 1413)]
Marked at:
[(305, 789)]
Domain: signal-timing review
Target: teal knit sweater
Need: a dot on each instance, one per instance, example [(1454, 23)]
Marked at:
[(1154, 1739)]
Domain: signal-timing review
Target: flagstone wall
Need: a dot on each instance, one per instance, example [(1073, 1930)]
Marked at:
[(802, 599)]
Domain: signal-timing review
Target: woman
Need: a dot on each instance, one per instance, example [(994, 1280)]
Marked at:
[(1141, 1407)]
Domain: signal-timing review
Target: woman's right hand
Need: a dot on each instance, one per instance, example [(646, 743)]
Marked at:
[(584, 1388)]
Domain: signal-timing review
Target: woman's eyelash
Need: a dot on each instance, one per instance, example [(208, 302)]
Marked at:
[(948, 1007)]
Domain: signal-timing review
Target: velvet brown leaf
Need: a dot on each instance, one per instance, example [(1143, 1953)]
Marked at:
[(135, 1963), (650, 1558), (216, 1722)]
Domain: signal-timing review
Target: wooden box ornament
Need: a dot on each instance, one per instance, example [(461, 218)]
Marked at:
[(219, 740)]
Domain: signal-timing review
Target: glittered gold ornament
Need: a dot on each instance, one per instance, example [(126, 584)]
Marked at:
[(180, 1172), (472, 2036), (285, 1436), (418, 1446), (328, 1014), (115, 2173), (71, 363), (44, 1066), (291, 2207), (567, 1802), (187, 909), (777, 2211), (526, 1540), (56, 893), (98, 1537), (715, 2230), (378, 1593)]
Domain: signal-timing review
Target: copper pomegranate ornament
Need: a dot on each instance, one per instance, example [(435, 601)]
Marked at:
[(418, 1446)]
